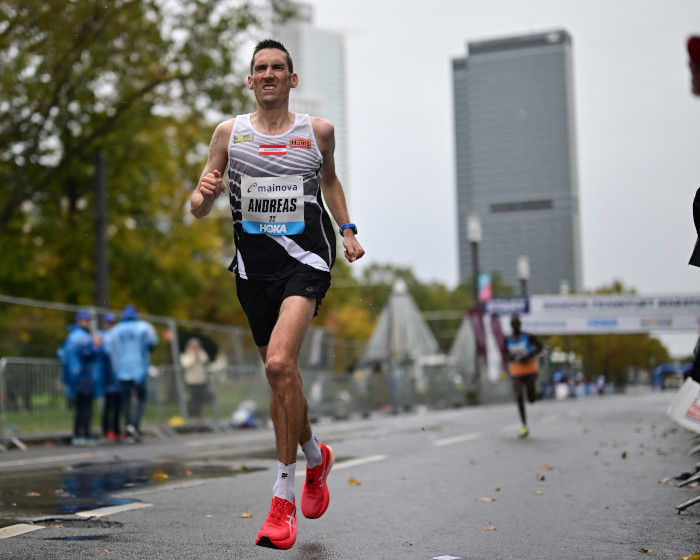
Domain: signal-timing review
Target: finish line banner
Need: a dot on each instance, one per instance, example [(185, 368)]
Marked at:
[(616, 305), (538, 324), (600, 314)]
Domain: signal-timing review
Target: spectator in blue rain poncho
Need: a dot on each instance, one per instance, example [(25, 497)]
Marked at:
[(130, 344), (111, 388), (78, 354)]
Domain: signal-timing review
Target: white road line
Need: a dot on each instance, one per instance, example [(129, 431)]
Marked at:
[(456, 439), (52, 459), (347, 464), (162, 488), (101, 512), (20, 529), (360, 461)]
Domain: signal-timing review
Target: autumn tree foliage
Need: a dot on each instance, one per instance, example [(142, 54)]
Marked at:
[(142, 81)]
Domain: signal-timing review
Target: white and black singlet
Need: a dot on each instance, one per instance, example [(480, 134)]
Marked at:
[(279, 221)]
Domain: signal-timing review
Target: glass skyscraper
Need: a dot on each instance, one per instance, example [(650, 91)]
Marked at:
[(515, 151), (319, 60)]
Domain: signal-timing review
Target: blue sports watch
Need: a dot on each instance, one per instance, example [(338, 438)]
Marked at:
[(353, 227)]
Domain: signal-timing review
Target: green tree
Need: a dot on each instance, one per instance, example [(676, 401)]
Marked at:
[(143, 81)]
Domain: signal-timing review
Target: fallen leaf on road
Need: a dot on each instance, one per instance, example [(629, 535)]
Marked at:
[(624, 454), (691, 557), (489, 528), (539, 492), (33, 494), (246, 514), (160, 476), (540, 477), (497, 489), (645, 550), (354, 482), (547, 468), (485, 500)]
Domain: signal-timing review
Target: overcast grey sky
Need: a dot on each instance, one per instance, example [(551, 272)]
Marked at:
[(638, 129)]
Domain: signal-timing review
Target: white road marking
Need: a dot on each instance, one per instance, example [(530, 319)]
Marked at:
[(456, 439), (360, 461), (162, 488), (20, 529), (101, 512), (52, 459)]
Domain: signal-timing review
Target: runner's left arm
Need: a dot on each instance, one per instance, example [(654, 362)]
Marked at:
[(332, 188)]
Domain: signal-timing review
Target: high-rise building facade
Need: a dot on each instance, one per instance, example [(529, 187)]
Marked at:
[(319, 60), (515, 152)]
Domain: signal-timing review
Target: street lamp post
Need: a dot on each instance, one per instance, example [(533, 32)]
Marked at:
[(523, 274), (474, 237)]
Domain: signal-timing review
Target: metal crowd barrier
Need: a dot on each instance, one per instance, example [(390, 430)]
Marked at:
[(33, 402), (32, 399)]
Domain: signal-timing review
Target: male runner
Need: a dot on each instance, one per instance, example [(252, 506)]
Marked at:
[(522, 349), (279, 164)]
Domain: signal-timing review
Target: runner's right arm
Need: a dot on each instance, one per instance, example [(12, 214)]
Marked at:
[(211, 184)]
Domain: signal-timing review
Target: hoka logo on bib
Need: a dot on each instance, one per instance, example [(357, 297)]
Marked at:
[(282, 228), (273, 229)]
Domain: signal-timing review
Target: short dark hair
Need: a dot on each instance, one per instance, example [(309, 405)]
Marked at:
[(271, 44)]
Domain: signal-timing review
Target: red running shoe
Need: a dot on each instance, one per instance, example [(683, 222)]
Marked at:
[(280, 527), (314, 494)]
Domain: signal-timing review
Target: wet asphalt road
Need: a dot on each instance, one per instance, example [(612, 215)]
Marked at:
[(450, 484)]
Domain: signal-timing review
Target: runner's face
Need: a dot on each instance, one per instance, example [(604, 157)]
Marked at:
[(271, 80)]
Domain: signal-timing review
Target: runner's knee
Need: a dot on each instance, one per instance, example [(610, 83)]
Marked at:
[(281, 372)]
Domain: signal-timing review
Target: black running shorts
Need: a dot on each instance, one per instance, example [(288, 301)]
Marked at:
[(261, 299)]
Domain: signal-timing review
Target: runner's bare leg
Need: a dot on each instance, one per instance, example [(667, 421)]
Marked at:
[(288, 406)]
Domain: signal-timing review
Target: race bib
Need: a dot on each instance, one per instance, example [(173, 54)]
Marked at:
[(273, 205)]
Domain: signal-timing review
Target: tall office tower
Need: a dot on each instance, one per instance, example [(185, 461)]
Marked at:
[(515, 154), (319, 60)]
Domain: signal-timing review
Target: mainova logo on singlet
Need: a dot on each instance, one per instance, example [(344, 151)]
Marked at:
[(273, 205)]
